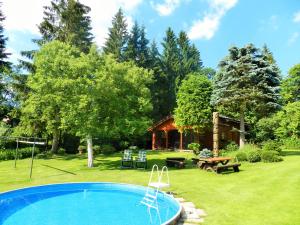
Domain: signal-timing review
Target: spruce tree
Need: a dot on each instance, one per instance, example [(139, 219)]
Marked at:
[(132, 48), (117, 37), (246, 82), (144, 57), (171, 67)]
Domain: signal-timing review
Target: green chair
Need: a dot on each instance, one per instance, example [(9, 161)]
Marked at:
[(141, 160), (127, 160)]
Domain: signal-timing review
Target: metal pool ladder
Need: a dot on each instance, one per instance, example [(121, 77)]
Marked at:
[(163, 181)]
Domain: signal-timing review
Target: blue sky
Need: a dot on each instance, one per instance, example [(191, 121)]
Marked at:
[(213, 25)]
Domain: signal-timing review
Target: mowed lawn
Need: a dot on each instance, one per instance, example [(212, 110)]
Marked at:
[(260, 194)]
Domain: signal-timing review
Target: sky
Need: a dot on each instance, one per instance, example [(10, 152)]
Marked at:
[(212, 25)]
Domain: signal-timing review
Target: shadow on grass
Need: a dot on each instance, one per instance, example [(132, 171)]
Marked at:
[(291, 153), (65, 171)]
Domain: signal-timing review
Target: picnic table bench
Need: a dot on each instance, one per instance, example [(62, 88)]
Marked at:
[(175, 162), (213, 164)]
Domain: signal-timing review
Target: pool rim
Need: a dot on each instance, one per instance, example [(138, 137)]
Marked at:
[(172, 220)]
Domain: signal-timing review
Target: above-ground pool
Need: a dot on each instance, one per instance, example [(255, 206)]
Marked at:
[(84, 204)]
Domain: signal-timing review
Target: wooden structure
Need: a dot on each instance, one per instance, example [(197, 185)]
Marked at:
[(166, 135)]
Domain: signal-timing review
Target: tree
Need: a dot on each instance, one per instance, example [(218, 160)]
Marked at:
[(131, 51), (171, 67), (246, 81), (193, 103), (66, 21), (3, 54), (117, 37), (291, 85), (110, 99), (50, 91), (143, 51)]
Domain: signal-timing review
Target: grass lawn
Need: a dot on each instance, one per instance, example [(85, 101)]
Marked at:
[(260, 194)]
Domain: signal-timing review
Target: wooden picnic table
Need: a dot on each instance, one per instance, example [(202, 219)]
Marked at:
[(211, 163)]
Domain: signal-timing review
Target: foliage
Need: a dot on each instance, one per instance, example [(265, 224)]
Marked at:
[(205, 153), (241, 156), (23, 153), (247, 80), (67, 21), (290, 88), (291, 143), (272, 145), (124, 144), (253, 156), (61, 151), (270, 156), (117, 37), (231, 146), (82, 148), (4, 64), (193, 103), (265, 128), (195, 147), (97, 149), (250, 147), (44, 155), (107, 149)]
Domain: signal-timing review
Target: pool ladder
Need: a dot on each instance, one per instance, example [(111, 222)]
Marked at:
[(150, 198)]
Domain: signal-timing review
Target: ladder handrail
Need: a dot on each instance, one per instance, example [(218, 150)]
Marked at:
[(161, 174)]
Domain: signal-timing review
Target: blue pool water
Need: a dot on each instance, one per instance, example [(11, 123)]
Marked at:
[(84, 204)]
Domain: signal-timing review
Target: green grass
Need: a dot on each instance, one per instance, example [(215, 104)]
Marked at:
[(260, 194)]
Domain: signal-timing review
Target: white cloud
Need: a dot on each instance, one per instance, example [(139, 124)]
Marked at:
[(24, 15), (206, 27), (294, 37), (166, 8), (296, 18)]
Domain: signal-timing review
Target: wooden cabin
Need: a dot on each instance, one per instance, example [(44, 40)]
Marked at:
[(165, 134)]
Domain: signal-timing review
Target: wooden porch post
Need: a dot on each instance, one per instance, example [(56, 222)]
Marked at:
[(216, 134), (167, 139), (153, 140), (181, 141)]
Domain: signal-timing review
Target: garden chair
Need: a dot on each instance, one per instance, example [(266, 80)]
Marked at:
[(141, 160), (127, 161)]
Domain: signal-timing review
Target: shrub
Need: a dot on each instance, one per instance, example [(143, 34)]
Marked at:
[(96, 149), (195, 147), (9, 154), (44, 155), (205, 153), (250, 147), (253, 156), (271, 146), (124, 144), (61, 151), (108, 149), (270, 156), (291, 143), (231, 146), (241, 156)]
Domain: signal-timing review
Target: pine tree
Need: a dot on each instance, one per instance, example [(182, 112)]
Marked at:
[(144, 58), (246, 82), (171, 67), (117, 37)]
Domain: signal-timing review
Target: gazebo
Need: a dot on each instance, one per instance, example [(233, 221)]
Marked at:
[(166, 135)]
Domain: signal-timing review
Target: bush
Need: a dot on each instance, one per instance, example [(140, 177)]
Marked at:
[(250, 147), (270, 156), (9, 154), (96, 149), (44, 155), (108, 149), (271, 146), (253, 156), (241, 156), (124, 144), (195, 147), (205, 153), (291, 143), (231, 146), (61, 151)]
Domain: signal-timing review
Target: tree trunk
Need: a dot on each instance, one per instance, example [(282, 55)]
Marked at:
[(242, 130), (55, 141), (90, 150)]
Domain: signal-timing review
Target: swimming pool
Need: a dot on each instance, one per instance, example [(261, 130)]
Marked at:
[(84, 204)]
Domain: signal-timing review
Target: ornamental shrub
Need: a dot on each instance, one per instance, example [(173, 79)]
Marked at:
[(205, 153), (231, 146), (291, 143), (253, 156), (270, 156), (241, 156), (271, 145), (96, 149), (61, 151), (195, 147), (107, 149)]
